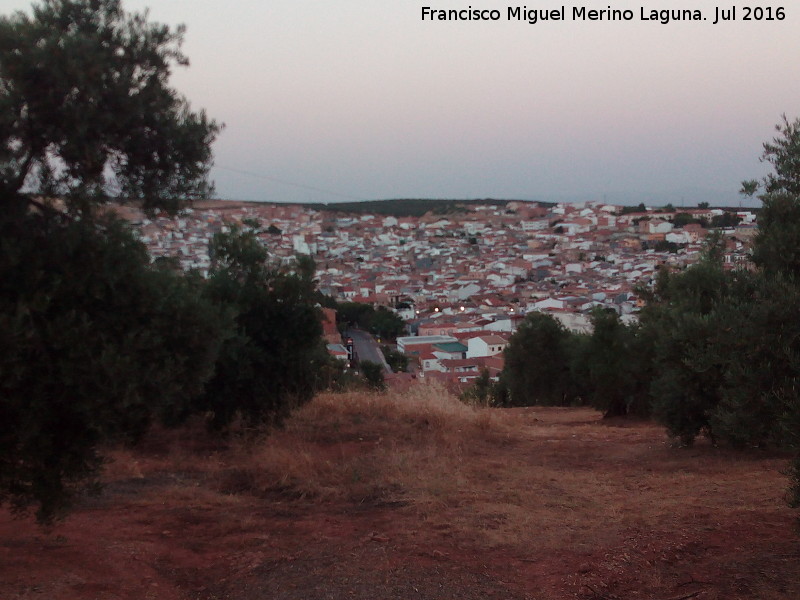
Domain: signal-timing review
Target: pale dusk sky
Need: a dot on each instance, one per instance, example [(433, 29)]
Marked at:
[(326, 101)]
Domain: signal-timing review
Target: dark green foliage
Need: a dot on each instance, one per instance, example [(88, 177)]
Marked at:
[(373, 374), (682, 219), (665, 246), (354, 314), (626, 210), (726, 353), (327, 301), (381, 322), (783, 153), (537, 363), (499, 392), (777, 245), (274, 361), (95, 344), (726, 219), (485, 392), (84, 87), (386, 324), (614, 367), (412, 207), (681, 321), (397, 361)]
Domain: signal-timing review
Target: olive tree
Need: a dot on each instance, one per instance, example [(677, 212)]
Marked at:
[(95, 341), (86, 111)]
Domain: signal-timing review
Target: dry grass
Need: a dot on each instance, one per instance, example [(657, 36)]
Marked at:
[(531, 480), (368, 447), (556, 501)]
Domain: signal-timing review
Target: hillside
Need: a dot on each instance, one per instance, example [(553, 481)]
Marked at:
[(416, 495)]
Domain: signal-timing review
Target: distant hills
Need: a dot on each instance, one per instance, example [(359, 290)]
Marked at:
[(416, 207), (412, 207)]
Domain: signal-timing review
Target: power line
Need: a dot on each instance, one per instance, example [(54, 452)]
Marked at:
[(289, 183)]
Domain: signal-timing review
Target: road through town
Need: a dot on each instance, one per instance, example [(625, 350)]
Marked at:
[(366, 348)]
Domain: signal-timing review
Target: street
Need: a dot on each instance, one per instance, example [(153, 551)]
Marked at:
[(366, 348)]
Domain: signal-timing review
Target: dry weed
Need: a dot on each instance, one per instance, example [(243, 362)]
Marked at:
[(532, 480)]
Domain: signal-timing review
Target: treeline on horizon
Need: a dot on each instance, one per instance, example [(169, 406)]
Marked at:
[(413, 207), (418, 207)]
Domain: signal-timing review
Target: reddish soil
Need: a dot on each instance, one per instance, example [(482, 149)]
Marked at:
[(643, 520)]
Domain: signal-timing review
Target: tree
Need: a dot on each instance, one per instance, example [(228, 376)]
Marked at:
[(613, 367), (777, 246), (373, 374), (776, 251), (682, 219), (783, 153), (686, 382), (382, 322), (86, 111), (726, 219), (353, 314), (273, 362), (397, 361), (537, 363), (703, 205), (95, 342), (386, 324), (483, 392), (625, 210)]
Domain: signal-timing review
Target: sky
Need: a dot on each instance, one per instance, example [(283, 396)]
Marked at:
[(330, 101)]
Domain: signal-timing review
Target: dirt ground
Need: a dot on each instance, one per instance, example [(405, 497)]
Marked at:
[(497, 504)]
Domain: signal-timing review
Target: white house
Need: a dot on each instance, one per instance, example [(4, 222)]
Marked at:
[(550, 303), (485, 345), (658, 226)]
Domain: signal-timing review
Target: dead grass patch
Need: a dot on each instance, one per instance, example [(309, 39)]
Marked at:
[(529, 482), (554, 501)]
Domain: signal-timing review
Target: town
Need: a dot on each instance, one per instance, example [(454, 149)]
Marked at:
[(462, 281)]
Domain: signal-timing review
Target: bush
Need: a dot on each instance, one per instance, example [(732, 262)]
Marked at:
[(373, 374)]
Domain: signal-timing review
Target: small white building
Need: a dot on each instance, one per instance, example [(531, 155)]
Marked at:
[(485, 345)]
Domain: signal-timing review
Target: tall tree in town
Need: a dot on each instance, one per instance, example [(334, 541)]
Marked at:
[(95, 342)]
